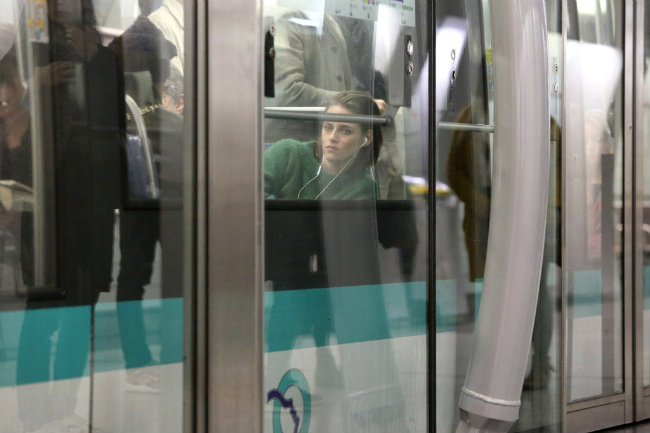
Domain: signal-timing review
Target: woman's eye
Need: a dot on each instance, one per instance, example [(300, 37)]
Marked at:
[(327, 127)]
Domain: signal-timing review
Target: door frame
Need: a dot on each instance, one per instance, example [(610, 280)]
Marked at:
[(641, 393), (228, 384)]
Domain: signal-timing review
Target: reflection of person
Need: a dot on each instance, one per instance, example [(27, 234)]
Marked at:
[(14, 124), (145, 55), (15, 142), (81, 124), (468, 172), (337, 166), (173, 97)]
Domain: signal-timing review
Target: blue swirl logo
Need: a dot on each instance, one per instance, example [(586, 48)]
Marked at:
[(291, 378)]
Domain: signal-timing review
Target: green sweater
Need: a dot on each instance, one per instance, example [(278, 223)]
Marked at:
[(290, 165)]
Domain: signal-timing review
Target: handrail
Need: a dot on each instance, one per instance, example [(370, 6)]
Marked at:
[(316, 113), (454, 126)]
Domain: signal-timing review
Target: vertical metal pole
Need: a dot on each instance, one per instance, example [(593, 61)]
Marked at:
[(608, 287), (641, 408), (490, 399), (432, 415), (235, 216), (194, 218), (628, 210)]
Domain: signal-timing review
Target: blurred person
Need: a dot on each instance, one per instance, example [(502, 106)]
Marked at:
[(468, 173), (145, 55), (173, 98), (334, 167), (14, 124), (80, 105), (15, 143)]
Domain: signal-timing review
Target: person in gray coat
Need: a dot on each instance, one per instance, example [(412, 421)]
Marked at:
[(311, 66)]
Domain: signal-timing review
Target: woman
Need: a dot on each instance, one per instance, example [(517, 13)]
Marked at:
[(337, 166)]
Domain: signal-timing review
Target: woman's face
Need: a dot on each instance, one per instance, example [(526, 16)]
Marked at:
[(10, 97), (341, 140)]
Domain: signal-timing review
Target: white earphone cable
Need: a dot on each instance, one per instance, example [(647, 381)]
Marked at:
[(337, 174)]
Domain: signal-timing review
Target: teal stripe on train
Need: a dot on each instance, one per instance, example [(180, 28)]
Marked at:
[(44, 340), (308, 318), (294, 319), (356, 314)]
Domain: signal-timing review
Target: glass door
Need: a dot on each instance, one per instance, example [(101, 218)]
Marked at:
[(96, 219), (347, 216)]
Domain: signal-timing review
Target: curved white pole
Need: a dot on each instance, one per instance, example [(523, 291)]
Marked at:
[(490, 399)]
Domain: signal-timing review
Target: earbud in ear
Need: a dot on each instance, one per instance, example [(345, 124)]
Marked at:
[(365, 140)]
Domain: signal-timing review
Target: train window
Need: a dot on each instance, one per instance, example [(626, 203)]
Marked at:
[(346, 215), (595, 199), (91, 179)]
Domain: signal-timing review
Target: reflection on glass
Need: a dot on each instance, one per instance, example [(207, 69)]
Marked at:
[(146, 56), (469, 176), (345, 219), (91, 187), (594, 201), (597, 145), (67, 70)]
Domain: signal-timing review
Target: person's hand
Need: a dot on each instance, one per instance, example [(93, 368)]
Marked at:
[(81, 40), (55, 73), (382, 105)]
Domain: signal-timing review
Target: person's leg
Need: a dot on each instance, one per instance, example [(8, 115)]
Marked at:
[(139, 233), (33, 366)]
